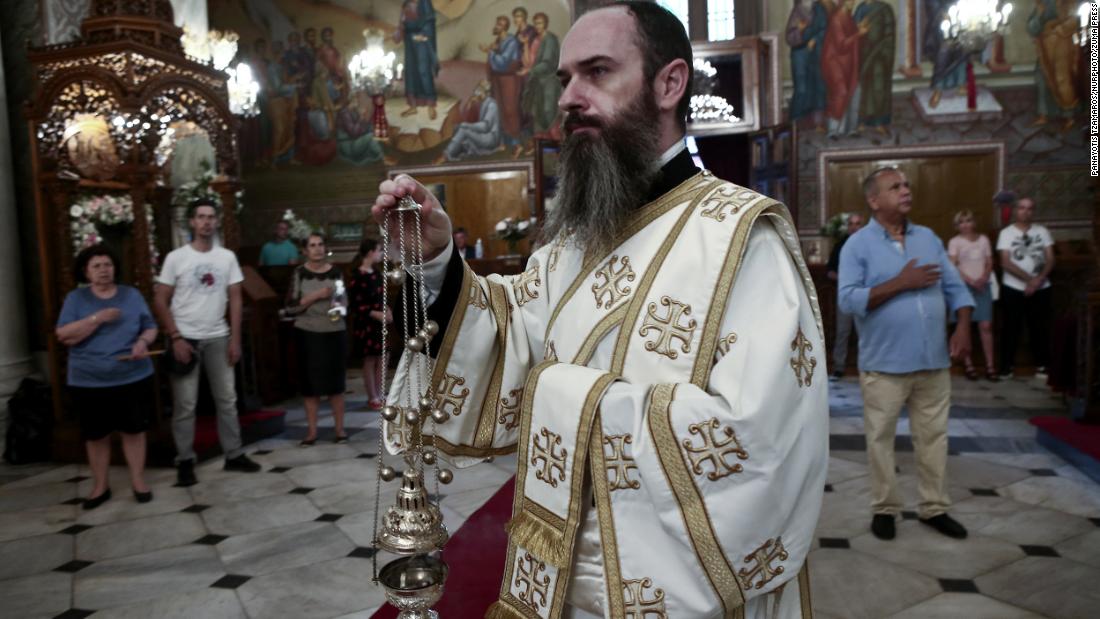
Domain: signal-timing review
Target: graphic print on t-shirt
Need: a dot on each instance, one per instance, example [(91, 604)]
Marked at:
[(1029, 246), (206, 278)]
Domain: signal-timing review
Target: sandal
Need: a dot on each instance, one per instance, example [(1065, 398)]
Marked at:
[(307, 442), (991, 375), (340, 439), (971, 373), (375, 404)]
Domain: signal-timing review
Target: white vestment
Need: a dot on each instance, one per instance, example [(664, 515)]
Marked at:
[(668, 406)]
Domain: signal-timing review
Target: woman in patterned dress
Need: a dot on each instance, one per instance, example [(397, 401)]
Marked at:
[(365, 283)]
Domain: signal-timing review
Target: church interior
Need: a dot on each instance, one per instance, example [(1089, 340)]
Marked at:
[(116, 115)]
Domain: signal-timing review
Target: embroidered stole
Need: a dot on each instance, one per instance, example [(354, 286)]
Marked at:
[(662, 322)]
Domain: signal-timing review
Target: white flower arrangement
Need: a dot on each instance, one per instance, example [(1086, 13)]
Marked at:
[(107, 210), (190, 191), (300, 229), (514, 230)]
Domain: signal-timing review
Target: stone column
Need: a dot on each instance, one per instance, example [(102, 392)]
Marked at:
[(15, 360)]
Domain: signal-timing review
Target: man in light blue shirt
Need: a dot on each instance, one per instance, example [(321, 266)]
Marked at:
[(281, 250), (898, 282)]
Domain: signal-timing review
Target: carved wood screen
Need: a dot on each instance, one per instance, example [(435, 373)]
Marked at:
[(127, 75)]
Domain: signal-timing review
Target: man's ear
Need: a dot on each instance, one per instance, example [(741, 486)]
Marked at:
[(670, 83)]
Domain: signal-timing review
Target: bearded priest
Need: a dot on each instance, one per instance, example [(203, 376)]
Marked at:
[(658, 366)]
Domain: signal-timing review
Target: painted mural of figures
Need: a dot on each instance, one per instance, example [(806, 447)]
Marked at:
[(417, 30), (355, 134), (840, 70), (476, 139), (541, 92), (1052, 24), (282, 98), (948, 60), (805, 35), (333, 60), (505, 62), (876, 63), (525, 34)]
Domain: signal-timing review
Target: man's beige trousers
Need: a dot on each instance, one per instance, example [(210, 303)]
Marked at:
[(928, 396)]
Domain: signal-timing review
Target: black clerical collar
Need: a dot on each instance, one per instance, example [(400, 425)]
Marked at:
[(677, 170)]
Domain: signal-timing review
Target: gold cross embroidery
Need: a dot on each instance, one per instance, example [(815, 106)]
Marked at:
[(534, 590), (713, 450), (732, 197), (553, 460), (725, 343), (508, 413), (619, 464), (803, 365), (613, 286), (446, 395), (520, 284), (635, 603), (400, 432), (668, 327), (477, 296), (772, 550)]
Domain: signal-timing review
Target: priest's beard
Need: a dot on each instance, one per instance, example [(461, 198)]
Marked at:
[(605, 177)]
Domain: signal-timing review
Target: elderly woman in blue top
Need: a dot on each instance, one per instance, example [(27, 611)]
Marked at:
[(898, 282), (108, 329)]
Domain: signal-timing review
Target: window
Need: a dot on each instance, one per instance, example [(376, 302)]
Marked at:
[(719, 20)]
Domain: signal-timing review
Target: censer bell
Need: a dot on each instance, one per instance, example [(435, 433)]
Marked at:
[(413, 525)]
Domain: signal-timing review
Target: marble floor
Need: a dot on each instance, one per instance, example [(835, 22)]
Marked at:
[(293, 541)]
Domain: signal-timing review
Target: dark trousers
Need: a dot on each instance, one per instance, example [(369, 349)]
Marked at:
[(1018, 310)]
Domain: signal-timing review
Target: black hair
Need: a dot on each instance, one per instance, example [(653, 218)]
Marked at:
[(197, 202), (366, 246), (459, 229), (662, 39), (85, 256)]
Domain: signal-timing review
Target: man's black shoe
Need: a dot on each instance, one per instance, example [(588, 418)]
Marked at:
[(241, 463), (882, 525), (185, 473), (947, 525)]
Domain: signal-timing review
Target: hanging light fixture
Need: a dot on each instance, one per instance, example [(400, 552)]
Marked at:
[(970, 25), (243, 90), (372, 70)]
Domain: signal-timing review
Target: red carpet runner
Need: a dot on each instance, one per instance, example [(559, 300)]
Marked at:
[(475, 555)]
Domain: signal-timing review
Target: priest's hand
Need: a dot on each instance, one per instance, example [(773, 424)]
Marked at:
[(435, 225)]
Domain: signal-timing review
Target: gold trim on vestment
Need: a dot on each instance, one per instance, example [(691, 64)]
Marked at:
[(458, 314), (692, 508), (508, 606), (704, 361), (642, 218), (618, 357), (487, 422), (790, 240), (451, 449), (535, 528), (804, 590), (602, 328), (613, 581)]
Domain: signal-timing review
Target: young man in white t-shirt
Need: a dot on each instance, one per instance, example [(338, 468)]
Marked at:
[(1027, 258), (195, 285)]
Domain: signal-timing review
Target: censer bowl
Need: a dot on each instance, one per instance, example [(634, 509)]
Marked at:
[(413, 585)]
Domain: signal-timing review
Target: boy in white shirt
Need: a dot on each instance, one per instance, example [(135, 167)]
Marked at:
[(195, 285), (1027, 258)]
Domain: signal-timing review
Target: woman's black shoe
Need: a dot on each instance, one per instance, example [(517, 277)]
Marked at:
[(99, 500), (143, 497)]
